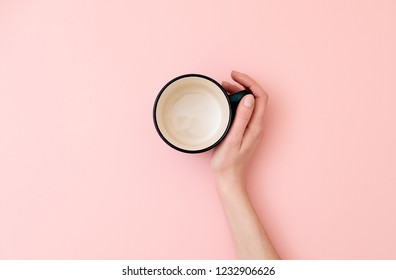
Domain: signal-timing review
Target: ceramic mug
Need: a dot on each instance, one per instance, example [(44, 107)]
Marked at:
[(193, 113)]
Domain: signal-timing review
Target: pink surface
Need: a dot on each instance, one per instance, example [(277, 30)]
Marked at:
[(83, 174)]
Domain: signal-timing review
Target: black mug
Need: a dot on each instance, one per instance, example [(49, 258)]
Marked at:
[(193, 113)]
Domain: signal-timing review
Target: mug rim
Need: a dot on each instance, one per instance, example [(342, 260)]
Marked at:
[(155, 113)]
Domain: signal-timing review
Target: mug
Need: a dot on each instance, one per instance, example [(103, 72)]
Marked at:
[(193, 113)]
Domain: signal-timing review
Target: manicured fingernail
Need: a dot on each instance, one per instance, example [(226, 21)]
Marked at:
[(248, 101), (237, 72)]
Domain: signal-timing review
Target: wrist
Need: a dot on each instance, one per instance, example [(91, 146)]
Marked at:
[(230, 181)]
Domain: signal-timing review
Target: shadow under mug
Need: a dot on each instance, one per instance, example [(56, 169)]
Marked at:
[(193, 113)]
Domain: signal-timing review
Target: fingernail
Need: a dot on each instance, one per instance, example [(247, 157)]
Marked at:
[(248, 101)]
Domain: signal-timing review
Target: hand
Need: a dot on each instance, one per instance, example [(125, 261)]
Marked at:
[(229, 163), (230, 158)]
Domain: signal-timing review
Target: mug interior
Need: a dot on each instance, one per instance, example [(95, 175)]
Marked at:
[(192, 113)]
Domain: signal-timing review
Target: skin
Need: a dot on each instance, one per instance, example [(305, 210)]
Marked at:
[(229, 162)]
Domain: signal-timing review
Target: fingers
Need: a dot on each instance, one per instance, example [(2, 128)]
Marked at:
[(242, 118), (260, 95), (231, 88)]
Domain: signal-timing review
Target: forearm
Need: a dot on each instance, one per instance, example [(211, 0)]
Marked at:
[(248, 234)]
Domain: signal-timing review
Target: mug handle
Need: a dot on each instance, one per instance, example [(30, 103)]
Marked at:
[(235, 98)]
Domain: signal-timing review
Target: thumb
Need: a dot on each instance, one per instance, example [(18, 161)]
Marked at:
[(241, 120)]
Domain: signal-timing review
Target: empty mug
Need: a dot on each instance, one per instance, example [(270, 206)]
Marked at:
[(193, 113)]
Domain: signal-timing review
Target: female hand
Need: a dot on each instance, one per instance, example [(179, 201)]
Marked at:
[(230, 158), (229, 162)]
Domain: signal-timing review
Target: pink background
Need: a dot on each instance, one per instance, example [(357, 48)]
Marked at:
[(83, 174)]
